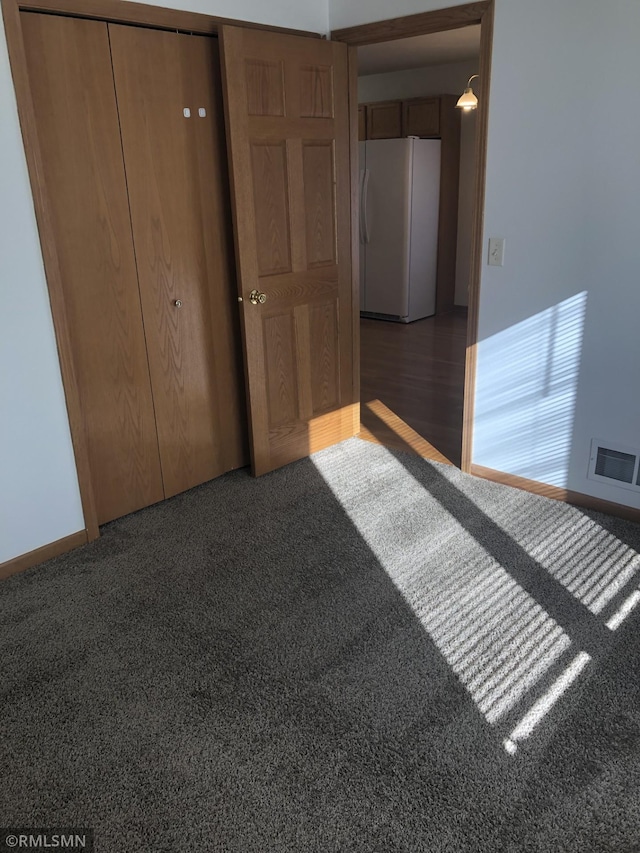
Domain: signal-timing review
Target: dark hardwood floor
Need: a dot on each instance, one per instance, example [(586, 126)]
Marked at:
[(416, 373)]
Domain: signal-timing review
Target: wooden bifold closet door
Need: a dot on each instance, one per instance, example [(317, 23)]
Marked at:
[(71, 85), (140, 215), (176, 174)]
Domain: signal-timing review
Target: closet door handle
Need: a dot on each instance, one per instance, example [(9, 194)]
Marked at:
[(178, 303)]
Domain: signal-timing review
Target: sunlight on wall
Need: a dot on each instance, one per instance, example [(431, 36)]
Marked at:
[(525, 397)]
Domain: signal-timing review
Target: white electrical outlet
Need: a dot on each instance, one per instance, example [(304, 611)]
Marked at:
[(496, 251)]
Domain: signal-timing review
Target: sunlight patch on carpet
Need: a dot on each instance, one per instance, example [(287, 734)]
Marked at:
[(495, 636)]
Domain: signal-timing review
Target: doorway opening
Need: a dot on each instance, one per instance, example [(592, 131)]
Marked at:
[(419, 277)]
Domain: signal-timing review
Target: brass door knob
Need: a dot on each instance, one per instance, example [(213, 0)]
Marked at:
[(257, 298)]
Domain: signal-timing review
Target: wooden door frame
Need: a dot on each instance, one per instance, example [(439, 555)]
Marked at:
[(426, 23), (110, 11)]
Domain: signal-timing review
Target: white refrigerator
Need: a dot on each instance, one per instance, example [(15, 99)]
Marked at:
[(399, 207)]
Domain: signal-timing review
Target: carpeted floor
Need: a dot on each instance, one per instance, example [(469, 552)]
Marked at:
[(364, 651)]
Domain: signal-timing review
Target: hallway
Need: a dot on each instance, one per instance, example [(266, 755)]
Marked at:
[(416, 371)]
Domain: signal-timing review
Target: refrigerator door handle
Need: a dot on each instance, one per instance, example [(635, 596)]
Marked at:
[(360, 196), (364, 198)]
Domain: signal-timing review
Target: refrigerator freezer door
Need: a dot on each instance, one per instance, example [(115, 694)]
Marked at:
[(388, 212)]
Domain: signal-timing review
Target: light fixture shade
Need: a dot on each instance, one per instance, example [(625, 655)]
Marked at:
[(467, 101)]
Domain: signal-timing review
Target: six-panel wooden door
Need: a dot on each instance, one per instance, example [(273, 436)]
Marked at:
[(288, 131)]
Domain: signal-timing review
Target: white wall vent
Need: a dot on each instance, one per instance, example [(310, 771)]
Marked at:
[(615, 464)]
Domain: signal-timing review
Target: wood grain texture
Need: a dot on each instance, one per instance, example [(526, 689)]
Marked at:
[(316, 91), (172, 174), (412, 25), (319, 203), (557, 494), (303, 365), (43, 212), (39, 555), (142, 14), (72, 89), (209, 152), (279, 335), (271, 202), (325, 368), (448, 209), (265, 87), (477, 248), (316, 434), (421, 117), (280, 355), (384, 120), (417, 371)]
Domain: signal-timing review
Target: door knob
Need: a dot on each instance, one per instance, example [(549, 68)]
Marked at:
[(257, 298), (178, 303)]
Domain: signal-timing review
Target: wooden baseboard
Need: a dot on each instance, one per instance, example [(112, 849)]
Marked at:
[(557, 494), (53, 549)]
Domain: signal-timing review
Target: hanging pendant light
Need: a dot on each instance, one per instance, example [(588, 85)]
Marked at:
[(467, 100)]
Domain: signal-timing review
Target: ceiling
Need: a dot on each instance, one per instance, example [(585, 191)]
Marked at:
[(419, 51)]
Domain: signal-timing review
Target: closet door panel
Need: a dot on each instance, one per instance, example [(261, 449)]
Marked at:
[(71, 83), (176, 177), (211, 182)]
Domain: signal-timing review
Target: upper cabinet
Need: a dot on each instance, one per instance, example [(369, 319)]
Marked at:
[(384, 120), (421, 117), (393, 119)]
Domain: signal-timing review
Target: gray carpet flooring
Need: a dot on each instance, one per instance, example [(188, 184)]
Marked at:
[(364, 651)]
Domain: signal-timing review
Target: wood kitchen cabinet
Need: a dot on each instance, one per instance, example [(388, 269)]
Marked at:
[(393, 119), (384, 120), (421, 117)]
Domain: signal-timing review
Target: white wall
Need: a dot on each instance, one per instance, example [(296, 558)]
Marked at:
[(448, 79), (349, 13), (39, 498), (563, 187)]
